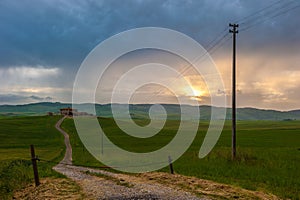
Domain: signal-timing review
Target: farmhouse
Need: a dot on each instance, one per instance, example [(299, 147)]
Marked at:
[(68, 111)]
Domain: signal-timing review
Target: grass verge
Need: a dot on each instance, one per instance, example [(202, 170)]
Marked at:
[(17, 134), (268, 155)]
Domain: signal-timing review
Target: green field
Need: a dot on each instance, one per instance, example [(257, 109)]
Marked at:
[(268, 154), (17, 134)]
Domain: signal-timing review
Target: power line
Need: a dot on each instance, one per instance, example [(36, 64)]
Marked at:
[(244, 19), (220, 35), (219, 46), (267, 13), (215, 44), (270, 11), (210, 51), (281, 12)]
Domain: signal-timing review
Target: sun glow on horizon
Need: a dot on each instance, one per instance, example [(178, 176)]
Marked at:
[(197, 92), (193, 92)]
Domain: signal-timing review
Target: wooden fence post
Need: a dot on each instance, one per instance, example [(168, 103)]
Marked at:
[(171, 165), (34, 165)]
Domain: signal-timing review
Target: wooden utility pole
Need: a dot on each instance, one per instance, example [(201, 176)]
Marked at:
[(171, 165), (234, 31), (34, 165)]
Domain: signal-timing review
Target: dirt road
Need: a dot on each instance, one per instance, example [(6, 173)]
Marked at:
[(68, 155), (101, 184)]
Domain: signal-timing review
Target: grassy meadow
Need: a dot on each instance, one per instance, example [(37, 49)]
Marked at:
[(17, 134), (268, 153)]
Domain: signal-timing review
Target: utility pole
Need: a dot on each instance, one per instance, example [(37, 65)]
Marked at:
[(234, 31)]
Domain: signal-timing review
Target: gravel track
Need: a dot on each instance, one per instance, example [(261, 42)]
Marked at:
[(120, 186), (68, 155), (100, 184)]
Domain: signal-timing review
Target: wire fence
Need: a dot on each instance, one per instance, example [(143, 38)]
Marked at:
[(96, 166)]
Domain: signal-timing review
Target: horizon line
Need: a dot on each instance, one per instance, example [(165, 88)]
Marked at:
[(265, 109)]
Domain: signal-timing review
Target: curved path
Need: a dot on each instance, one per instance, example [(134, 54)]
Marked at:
[(108, 185), (100, 184), (68, 155)]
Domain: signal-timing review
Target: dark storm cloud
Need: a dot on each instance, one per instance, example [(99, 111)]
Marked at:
[(61, 33), (39, 36)]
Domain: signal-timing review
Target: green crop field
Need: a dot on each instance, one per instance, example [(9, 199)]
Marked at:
[(268, 154), (17, 134)]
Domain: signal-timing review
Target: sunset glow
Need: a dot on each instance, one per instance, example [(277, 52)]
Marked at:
[(45, 64)]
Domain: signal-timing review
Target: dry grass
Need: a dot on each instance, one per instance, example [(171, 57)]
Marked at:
[(51, 188), (206, 188)]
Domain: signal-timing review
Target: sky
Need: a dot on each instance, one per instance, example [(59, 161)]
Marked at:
[(43, 44)]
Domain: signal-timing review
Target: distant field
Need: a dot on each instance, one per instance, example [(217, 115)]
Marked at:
[(140, 111), (17, 133), (268, 154)]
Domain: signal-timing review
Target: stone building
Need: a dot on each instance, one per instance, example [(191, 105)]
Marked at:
[(68, 111)]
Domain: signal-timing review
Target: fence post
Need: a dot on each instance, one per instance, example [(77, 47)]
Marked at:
[(171, 165), (34, 166)]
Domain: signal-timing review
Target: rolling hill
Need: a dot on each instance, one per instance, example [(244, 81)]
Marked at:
[(140, 111)]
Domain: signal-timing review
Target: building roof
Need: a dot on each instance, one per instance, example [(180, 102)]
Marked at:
[(70, 109)]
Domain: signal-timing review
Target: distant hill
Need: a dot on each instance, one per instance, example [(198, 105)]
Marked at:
[(141, 111), (31, 109)]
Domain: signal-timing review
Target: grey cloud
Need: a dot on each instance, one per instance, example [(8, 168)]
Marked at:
[(61, 33), (16, 99), (40, 98), (58, 33)]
